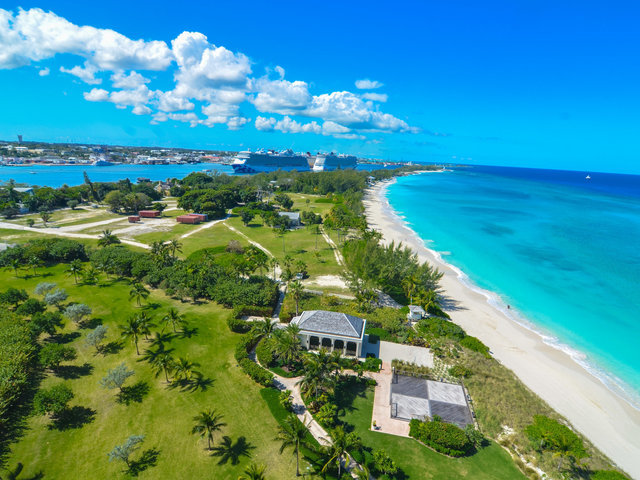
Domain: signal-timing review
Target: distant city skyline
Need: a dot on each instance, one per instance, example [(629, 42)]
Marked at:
[(542, 85)]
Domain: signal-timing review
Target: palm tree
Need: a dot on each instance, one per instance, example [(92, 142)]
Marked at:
[(91, 275), (262, 328), (172, 318), (273, 264), (75, 268), (146, 324), (164, 363), (287, 344), (132, 330), (34, 262), (138, 292), (293, 433), (254, 472), (107, 238), (184, 369), (296, 290), (342, 442), (175, 246), (16, 264), (410, 284), (207, 422), (429, 299)]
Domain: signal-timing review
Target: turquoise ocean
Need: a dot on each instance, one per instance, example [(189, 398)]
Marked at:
[(561, 249)]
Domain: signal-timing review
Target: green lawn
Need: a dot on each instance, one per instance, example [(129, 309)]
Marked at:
[(416, 460), (164, 415), (210, 237), (299, 244)]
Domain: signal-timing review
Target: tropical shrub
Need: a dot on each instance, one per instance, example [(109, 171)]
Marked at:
[(548, 434), (442, 437), (472, 343), (372, 364)]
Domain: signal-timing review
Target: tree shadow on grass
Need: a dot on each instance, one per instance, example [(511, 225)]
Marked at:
[(151, 306), (149, 458), (198, 382), (71, 372), (134, 393), (74, 417), (351, 388), (111, 347), (91, 323), (231, 452), (65, 337), (187, 332)]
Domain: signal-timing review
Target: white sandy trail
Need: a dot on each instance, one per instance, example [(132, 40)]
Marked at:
[(62, 233), (336, 251), (611, 423)]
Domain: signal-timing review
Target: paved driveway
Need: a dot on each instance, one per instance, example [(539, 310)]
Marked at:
[(388, 351)]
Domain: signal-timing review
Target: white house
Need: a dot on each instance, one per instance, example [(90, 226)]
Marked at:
[(416, 313), (331, 330), (294, 218)]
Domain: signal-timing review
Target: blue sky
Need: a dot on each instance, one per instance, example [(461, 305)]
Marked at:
[(535, 84)]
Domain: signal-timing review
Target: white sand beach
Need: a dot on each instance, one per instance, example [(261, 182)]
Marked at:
[(607, 420)]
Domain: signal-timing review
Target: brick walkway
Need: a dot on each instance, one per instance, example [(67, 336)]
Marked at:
[(382, 407)]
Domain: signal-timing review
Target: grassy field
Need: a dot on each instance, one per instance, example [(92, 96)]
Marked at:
[(163, 415), (299, 243), (417, 461), (210, 237)]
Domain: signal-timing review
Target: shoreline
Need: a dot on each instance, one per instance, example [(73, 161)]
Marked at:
[(606, 419)]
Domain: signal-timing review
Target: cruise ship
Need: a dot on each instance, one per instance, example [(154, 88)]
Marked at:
[(269, 161), (101, 161), (332, 161)]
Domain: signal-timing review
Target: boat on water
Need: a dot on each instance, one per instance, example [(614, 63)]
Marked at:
[(588, 177), (101, 163), (332, 161), (269, 161)]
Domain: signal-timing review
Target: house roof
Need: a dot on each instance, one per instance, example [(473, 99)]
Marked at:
[(331, 323), (291, 215), (416, 309)]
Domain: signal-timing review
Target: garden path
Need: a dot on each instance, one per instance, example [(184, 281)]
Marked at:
[(336, 250), (61, 233)]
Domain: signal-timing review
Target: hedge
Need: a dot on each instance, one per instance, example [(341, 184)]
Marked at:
[(264, 353), (442, 437), (256, 372)]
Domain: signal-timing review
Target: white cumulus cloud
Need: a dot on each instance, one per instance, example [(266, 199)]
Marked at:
[(86, 74), (208, 77), (97, 95), (265, 124), (367, 84), (132, 80), (33, 35), (376, 97)]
